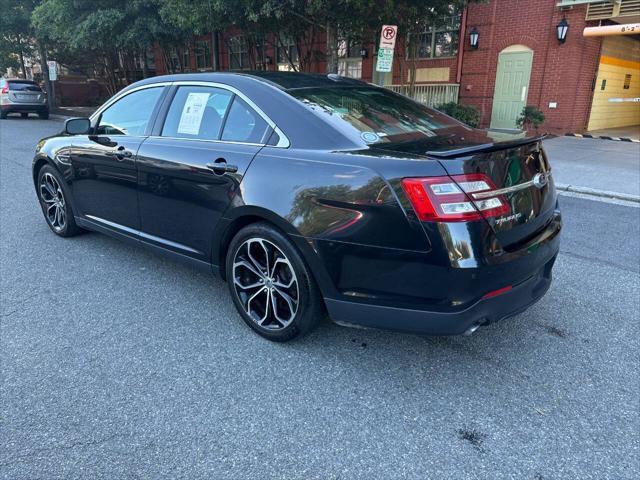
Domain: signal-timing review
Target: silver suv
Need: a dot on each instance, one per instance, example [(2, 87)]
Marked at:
[(22, 96)]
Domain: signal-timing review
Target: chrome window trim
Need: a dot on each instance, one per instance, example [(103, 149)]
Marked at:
[(283, 141), (209, 141), (121, 95)]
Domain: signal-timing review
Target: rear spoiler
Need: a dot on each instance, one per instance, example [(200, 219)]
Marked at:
[(485, 147)]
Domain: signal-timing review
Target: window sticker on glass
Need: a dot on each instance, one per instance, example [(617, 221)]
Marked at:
[(192, 112), (370, 137)]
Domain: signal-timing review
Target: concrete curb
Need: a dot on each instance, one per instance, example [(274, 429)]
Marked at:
[(602, 137), (598, 193)]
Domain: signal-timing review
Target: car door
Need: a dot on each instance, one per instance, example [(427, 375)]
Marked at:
[(190, 168), (103, 163)]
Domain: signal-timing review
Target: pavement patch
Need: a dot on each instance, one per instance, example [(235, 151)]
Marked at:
[(473, 436)]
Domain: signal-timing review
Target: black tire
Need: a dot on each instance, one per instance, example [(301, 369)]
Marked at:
[(24, 115), (287, 266), (50, 202), (43, 115)]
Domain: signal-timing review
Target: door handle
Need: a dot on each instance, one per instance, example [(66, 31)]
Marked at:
[(120, 153), (220, 167)]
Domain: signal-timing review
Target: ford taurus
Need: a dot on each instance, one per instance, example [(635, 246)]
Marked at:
[(313, 195)]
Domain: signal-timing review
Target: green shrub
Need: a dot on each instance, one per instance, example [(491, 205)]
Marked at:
[(465, 113), (530, 117)]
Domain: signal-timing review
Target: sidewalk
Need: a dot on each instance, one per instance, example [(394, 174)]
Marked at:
[(590, 165), (74, 111)]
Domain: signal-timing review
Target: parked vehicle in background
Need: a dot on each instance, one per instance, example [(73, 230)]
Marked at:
[(23, 97), (312, 193)]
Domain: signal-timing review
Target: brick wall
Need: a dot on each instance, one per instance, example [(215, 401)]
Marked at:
[(562, 73)]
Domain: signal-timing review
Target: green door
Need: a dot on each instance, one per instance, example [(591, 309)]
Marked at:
[(512, 88)]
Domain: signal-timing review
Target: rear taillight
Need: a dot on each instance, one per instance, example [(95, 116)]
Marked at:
[(4, 90), (447, 199)]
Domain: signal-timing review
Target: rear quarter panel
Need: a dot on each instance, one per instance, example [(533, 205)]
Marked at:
[(337, 207)]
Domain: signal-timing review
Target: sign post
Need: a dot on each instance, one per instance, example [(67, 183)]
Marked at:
[(53, 76), (53, 70), (384, 63)]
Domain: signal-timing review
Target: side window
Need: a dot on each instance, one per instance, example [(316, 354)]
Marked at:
[(244, 124), (197, 112), (131, 114)]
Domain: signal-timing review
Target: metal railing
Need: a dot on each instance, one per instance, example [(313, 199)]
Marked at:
[(431, 94)]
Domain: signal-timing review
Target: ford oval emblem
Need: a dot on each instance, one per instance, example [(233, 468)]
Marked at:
[(540, 180)]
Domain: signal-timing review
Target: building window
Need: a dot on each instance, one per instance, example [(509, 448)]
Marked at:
[(186, 59), (238, 53), (349, 59), (174, 61), (441, 39), (179, 60), (287, 54), (203, 54), (627, 81)]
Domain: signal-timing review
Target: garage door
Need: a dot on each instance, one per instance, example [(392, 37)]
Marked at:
[(618, 77)]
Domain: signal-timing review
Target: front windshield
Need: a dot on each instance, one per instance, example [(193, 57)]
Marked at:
[(374, 114)]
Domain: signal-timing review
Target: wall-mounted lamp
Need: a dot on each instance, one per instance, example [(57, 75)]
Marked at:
[(561, 29), (474, 36)]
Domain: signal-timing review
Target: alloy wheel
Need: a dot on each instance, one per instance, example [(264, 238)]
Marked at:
[(266, 284), (53, 202)]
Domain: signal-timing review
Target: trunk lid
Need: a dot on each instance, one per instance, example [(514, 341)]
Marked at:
[(518, 169)]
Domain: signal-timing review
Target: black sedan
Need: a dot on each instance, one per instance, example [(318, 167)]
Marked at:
[(313, 195)]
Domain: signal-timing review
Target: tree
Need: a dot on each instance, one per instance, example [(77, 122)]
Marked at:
[(108, 38), (15, 34)]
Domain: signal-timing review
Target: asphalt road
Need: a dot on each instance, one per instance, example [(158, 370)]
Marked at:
[(117, 363)]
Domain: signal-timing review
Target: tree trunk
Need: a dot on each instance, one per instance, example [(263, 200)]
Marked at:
[(215, 46), (110, 74), (332, 49), (45, 74), (145, 65), (22, 65)]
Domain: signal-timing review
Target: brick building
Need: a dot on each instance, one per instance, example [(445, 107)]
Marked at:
[(517, 61)]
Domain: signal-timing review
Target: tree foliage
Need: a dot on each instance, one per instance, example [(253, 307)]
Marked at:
[(109, 37), (15, 33), (104, 36)]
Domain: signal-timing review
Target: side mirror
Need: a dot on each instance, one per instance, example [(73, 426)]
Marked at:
[(77, 126)]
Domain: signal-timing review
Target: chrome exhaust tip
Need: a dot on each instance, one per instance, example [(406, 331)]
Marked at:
[(471, 329)]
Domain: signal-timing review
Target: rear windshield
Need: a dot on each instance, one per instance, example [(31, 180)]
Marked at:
[(375, 114), (24, 86)]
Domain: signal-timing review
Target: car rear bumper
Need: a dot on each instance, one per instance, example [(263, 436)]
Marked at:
[(527, 272), (24, 107), (453, 322)]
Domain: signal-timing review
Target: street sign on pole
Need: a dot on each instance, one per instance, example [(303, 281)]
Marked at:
[(388, 36), (53, 70), (385, 60)]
